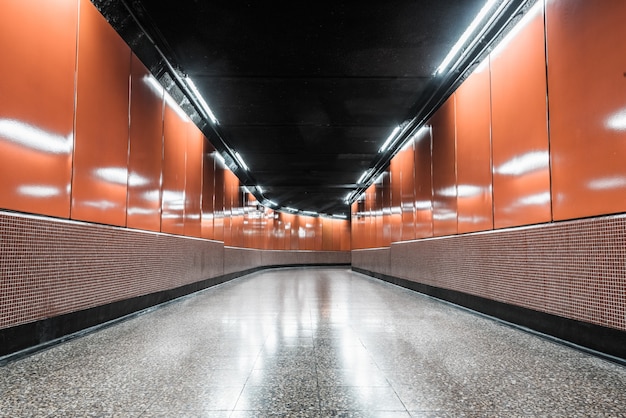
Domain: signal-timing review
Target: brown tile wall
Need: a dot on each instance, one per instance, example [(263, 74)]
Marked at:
[(573, 269), (51, 267), (240, 259)]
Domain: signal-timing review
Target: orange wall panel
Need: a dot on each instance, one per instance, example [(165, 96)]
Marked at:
[(396, 200), (38, 45), (386, 209), (193, 182), (218, 202), (407, 190), (231, 206), (327, 234), (521, 173), (99, 181), (174, 153), (372, 207), (422, 143), (208, 190), (146, 149), (444, 169), (473, 144), (587, 85)]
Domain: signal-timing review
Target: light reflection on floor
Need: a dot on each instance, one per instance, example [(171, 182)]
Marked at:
[(311, 342)]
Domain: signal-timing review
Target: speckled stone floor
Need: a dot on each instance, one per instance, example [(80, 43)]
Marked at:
[(311, 343)]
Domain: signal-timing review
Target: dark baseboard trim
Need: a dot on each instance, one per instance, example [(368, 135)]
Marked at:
[(26, 339), (600, 341)]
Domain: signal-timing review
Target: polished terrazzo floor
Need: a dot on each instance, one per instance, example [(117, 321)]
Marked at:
[(311, 343)]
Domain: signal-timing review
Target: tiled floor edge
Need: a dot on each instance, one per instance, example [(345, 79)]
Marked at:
[(607, 343)]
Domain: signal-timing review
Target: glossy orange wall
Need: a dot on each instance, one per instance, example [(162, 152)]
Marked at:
[(587, 85), (146, 149), (208, 190), (218, 202), (395, 217), (386, 208), (99, 180), (193, 182), (37, 107), (444, 169), (521, 169), (422, 143), (174, 170), (407, 190), (473, 145)]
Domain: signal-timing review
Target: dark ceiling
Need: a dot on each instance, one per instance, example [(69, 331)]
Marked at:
[(306, 92)]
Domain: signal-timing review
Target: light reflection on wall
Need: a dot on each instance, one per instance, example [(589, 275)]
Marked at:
[(617, 121), (525, 164), (38, 191), (608, 183), (34, 138)]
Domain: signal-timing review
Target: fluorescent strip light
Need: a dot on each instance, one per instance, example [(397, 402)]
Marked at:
[(389, 139), (241, 161), (290, 209), (340, 216), (468, 32), (203, 103), (308, 212), (365, 174), (259, 189)]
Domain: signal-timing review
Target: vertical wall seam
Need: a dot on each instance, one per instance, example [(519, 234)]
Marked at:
[(545, 49), (71, 191)]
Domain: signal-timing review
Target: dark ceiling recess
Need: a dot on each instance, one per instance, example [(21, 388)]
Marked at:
[(306, 93)]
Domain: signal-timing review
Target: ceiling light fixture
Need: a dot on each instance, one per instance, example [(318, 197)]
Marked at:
[(241, 161), (480, 17), (309, 213), (363, 176), (203, 103), (390, 138)]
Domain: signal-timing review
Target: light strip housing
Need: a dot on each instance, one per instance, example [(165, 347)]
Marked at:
[(389, 139), (241, 161), (203, 103), (480, 17)]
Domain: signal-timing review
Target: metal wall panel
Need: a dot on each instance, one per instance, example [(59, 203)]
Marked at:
[(38, 45), (407, 190), (193, 182), (587, 99), (521, 162), (208, 190), (174, 154), (395, 217), (444, 169), (100, 176), (146, 148), (422, 143), (218, 202), (473, 144)]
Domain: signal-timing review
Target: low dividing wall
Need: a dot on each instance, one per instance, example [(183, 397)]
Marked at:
[(566, 279), (58, 277)]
